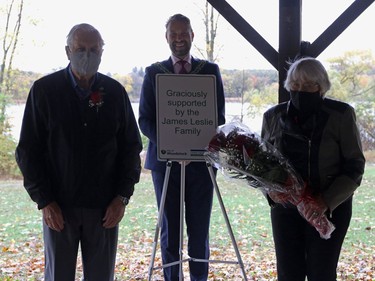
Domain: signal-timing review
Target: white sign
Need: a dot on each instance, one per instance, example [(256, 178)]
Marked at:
[(186, 115)]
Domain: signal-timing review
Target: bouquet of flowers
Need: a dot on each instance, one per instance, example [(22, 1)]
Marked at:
[(242, 154)]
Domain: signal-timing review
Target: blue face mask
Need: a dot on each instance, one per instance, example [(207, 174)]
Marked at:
[(306, 102), (85, 63)]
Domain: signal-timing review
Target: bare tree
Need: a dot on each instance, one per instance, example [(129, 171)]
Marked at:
[(10, 34), (210, 20)]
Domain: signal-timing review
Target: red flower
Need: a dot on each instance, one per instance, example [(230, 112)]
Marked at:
[(242, 154), (218, 141), (96, 99)]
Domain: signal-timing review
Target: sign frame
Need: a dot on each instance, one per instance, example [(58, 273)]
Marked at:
[(186, 114)]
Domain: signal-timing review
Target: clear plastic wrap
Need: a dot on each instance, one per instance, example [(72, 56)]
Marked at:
[(241, 154)]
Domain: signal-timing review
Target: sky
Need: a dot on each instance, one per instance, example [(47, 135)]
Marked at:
[(134, 31)]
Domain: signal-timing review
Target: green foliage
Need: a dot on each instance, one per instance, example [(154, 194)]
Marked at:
[(238, 82), (353, 81), (132, 82), (365, 120), (4, 126), (8, 165), (255, 89), (144, 141), (21, 82), (261, 99), (353, 76)]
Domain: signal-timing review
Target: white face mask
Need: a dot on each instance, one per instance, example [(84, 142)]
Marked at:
[(85, 63)]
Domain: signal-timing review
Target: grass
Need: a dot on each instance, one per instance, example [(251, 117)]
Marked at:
[(21, 245)]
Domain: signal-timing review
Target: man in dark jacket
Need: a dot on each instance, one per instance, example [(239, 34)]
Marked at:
[(321, 139), (199, 188), (79, 155)]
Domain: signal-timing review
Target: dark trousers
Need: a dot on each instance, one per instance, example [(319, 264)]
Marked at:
[(198, 205), (300, 252), (98, 247)]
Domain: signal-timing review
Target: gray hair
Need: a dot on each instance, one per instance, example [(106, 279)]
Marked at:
[(84, 27), (308, 69)]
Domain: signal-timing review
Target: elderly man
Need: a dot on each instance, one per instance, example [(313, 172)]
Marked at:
[(79, 155)]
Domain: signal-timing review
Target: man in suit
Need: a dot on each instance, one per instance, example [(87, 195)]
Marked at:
[(199, 187)]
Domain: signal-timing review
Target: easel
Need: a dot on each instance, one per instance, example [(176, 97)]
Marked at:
[(182, 200)]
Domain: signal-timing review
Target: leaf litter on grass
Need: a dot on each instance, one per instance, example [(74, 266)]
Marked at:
[(22, 258)]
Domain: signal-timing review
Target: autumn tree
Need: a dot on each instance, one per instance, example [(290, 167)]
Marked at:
[(11, 15), (136, 75), (254, 89), (21, 82), (352, 76), (210, 20), (10, 26), (353, 81)]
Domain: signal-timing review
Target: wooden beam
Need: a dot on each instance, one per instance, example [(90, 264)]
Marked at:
[(246, 30), (289, 39), (290, 44), (338, 26)]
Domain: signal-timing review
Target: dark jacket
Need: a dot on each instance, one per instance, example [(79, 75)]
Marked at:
[(77, 154), (326, 150), (147, 105)]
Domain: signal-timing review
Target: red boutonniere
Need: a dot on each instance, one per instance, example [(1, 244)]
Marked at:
[(96, 99)]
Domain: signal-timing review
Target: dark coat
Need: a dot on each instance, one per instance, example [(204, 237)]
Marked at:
[(326, 150), (77, 154), (147, 105)]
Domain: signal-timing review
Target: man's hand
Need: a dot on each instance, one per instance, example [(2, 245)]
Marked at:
[(114, 213), (53, 217)]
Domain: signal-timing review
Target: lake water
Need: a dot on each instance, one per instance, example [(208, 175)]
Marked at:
[(233, 110)]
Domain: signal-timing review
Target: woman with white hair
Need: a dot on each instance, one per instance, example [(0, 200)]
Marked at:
[(320, 138)]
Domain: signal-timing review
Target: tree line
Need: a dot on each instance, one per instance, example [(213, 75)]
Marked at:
[(352, 76), (236, 82)]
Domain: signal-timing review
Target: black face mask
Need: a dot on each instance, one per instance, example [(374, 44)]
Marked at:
[(306, 102)]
